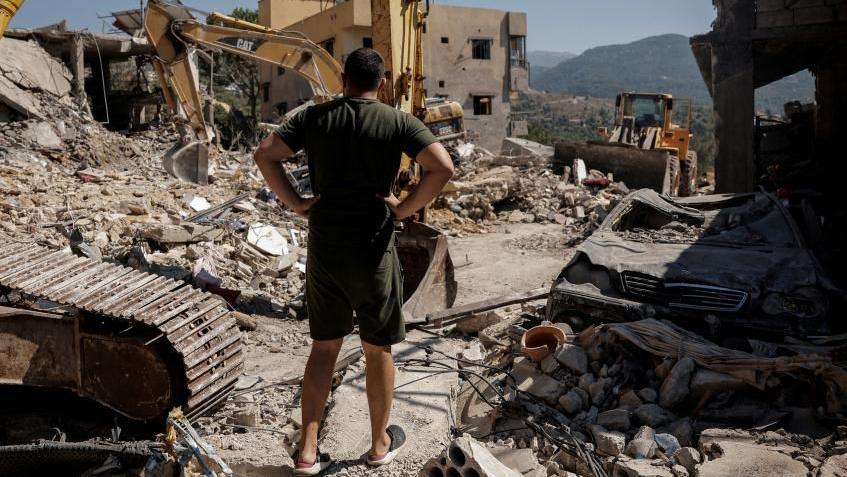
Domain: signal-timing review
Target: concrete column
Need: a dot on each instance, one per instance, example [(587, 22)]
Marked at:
[(733, 98), (830, 118), (78, 66)]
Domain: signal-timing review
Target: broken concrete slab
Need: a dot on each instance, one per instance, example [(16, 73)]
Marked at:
[(514, 146), (519, 460), (466, 457), (835, 466), (728, 457), (27, 65), (19, 99), (529, 379), (43, 135)]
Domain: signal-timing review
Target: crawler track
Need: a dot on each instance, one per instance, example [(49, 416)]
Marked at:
[(186, 325)]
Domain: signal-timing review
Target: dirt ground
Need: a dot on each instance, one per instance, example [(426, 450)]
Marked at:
[(493, 264)]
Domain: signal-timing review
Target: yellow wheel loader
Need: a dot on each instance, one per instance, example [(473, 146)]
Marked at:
[(397, 32), (649, 145)]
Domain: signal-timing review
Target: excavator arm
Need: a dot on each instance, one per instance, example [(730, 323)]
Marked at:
[(8, 8), (175, 35)]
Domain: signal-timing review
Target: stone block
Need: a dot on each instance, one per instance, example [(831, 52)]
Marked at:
[(675, 387), (573, 357), (652, 415), (614, 419), (607, 442)]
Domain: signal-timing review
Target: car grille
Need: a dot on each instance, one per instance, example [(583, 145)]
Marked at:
[(682, 295)]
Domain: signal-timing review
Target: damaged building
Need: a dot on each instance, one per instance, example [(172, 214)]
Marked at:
[(755, 43), (107, 72), (475, 56)]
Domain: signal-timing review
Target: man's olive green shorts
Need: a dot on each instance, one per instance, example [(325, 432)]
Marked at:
[(344, 280)]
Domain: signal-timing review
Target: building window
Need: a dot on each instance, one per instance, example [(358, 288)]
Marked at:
[(517, 50), (481, 49), (266, 92), (329, 45), (280, 71), (445, 40), (441, 83), (482, 105), (367, 42)]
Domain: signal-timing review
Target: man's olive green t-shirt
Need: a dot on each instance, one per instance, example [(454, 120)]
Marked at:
[(354, 147)]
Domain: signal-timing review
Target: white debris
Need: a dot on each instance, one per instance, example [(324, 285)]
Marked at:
[(268, 239)]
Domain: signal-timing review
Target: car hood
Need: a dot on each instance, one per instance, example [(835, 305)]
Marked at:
[(746, 268)]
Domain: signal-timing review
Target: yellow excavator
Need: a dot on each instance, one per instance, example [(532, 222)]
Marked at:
[(8, 8), (174, 33), (649, 145)]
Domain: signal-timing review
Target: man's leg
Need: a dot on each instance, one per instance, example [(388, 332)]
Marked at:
[(317, 381), (379, 378)]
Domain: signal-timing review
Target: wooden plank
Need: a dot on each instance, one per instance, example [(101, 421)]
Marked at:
[(456, 312)]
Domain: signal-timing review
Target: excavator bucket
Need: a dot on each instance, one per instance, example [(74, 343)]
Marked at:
[(429, 282), (637, 168), (189, 162)]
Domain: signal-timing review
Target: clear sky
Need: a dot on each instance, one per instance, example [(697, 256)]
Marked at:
[(556, 25)]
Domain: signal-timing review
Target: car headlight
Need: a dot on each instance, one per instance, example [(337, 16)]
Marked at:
[(581, 271), (804, 302)]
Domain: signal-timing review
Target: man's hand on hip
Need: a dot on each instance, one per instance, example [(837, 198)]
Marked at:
[(302, 206)]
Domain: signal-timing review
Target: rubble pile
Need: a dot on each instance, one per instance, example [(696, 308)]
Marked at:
[(67, 180), (649, 398), (491, 189)]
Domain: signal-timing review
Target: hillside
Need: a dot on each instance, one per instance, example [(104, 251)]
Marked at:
[(548, 59), (661, 63)]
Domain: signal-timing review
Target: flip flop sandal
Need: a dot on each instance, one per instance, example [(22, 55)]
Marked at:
[(398, 440), (304, 468)]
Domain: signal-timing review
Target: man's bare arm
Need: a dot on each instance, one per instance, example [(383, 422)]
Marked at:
[(271, 152), (438, 169)]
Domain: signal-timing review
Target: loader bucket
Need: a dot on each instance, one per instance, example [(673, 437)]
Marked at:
[(189, 162), (429, 282), (637, 168)]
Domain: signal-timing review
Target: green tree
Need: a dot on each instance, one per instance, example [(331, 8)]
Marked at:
[(241, 76)]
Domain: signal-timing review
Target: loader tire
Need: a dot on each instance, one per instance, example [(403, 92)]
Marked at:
[(688, 174), (673, 175)]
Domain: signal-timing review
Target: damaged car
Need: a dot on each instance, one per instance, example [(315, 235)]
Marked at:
[(719, 263)]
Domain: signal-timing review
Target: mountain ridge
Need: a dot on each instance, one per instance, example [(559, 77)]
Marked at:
[(660, 63)]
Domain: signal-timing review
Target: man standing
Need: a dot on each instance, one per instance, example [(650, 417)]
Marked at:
[(354, 146)]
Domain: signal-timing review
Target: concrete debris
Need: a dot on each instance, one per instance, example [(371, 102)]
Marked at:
[(466, 456), (516, 188), (675, 386)]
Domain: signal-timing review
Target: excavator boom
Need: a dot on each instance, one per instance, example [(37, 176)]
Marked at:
[(8, 8)]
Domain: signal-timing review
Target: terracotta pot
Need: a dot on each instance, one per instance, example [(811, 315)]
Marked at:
[(542, 340)]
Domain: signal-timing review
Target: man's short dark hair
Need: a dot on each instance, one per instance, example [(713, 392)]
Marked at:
[(364, 68)]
